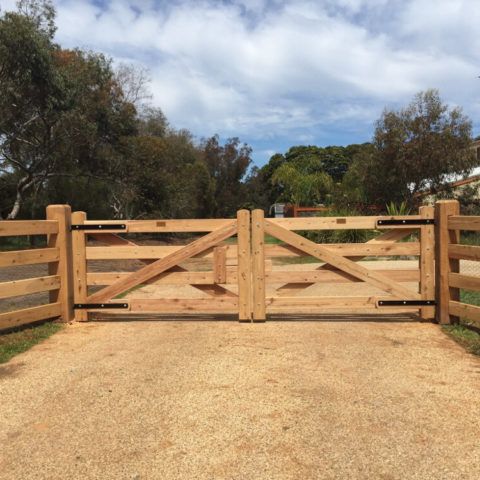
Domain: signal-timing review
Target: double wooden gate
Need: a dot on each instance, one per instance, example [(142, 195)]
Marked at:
[(244, 266)]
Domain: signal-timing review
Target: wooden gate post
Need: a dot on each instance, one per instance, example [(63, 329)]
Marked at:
[(258, 265), (62, 268), (427, 262), (443, 264), (79, 265), (244, 273)]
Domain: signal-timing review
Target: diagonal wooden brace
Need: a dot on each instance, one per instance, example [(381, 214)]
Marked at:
[(348, 266), (390, 236), (163, 264), (213, 290)]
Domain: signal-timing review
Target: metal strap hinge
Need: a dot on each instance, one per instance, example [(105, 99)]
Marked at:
[(99, 306), (406, 303), (99, 226), (407, 221)]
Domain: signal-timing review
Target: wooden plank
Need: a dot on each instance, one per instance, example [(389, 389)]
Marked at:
[(427, 262), (167, 226), (342, 263), (29, 315), (318, 305), (464, 222), (63, 241), (184, 305), (350, 249), (28, 286), (155, 268), (467, 282), (79, 259), (220, 264), (29, 257), (463, 310), (335, 276), (10, 228), (339, 223), (168, 278), (322, 302), (145, 252), (244, 276), (444, 265), (464, 252), (258, 266)]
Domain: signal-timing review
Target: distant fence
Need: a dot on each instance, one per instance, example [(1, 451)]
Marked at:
[(239, 275)]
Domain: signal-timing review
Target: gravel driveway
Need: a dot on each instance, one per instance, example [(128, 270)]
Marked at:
[(222, 400)]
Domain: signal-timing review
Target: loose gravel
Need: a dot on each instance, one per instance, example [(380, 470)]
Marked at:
[(223, 400)]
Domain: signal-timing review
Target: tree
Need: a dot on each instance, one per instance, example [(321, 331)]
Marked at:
[(299, 188), (322, 167), (416, 148), (228, 165), (62, 113)]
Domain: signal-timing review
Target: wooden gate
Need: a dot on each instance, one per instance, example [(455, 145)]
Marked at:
[(224, 287), (282, 290), (247, 269)]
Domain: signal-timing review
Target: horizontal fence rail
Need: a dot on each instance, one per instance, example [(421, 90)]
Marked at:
[(55, 255), (450, 253)]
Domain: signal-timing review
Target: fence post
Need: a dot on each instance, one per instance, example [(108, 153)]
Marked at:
[(427, 262), (443, 264), (258, 265), (80, 287), (244, 273), (63, 268)]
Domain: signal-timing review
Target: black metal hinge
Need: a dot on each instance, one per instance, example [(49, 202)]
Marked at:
[(409, 221), (406, 303), (99, 226), (99, 306)]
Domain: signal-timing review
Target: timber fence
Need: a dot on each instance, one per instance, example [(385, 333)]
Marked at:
[(231, 266)]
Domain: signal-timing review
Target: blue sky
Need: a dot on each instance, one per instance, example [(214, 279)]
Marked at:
[(278, 73)]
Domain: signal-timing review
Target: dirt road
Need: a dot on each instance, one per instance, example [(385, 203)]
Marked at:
[(222, 400)]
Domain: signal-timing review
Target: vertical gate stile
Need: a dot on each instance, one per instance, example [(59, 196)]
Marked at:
[(258, 265), (427, 262), (80, 287), (244, 271), (63, 268), (444, 265)]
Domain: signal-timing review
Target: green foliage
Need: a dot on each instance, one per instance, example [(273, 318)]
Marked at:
[(16, 342), (70, 133), (227, 165), (302, 188), (414, 149), (469, 199), (322, 167), (465, 336), (395, 209)]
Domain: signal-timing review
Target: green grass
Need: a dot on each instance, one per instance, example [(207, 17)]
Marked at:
[(470, 297), (19, 341), (467, 337)]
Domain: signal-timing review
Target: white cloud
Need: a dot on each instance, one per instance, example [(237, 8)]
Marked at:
[(270, 71)]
